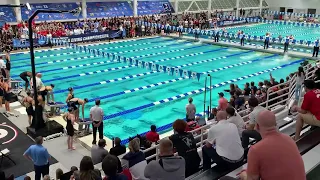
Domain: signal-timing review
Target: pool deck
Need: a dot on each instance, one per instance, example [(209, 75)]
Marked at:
[(247, 47)]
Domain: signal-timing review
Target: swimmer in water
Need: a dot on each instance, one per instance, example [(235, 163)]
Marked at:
[(47, 91), (24, 76), (70, 95), (28, 102), (75, 103)]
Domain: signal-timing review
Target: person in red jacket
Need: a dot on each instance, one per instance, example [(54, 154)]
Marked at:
[(152, 135)]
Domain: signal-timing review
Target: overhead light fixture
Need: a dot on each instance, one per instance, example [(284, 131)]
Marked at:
[(28, 6)]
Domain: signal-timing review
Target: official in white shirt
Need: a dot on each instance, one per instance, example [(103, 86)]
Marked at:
[(223, 144), (96, 116)]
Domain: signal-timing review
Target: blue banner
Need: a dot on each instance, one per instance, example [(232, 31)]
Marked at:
[(108, 9), (7, 14), (24, 43), (154, 7), (94, 36)]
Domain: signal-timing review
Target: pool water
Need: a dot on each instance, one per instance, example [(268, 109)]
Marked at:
[(126, 91)]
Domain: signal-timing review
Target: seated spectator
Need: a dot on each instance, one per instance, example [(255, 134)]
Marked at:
[(87, 170), (168, 166), (213, 113), (46, 177), (223, 102), (75, 175), (136, 160), (246, 90), (98, 152), (110, 166), (27, 178), (185, 145), (191, 110), (59, 173), (239, 101), (254, 89), (152, 135), (276, 156), (223, 145), (309, 113), (118, 149), (250, 131), (235, 118), (66, 176)]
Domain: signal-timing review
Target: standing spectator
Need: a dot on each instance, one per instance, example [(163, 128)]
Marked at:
[(250, 131), (152, 135), (191, 110), (316, 48), (185, 145), (40, 157), (276, 156), (299, 81), (98, 153), (223, 102), (96, 116), (136, 160), (168, 166), (223, 144), (118, 149), (254, 88), (110, 166), (87, 170), (309, 112)]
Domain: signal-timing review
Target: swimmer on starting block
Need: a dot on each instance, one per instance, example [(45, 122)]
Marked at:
[(47, 91), (24, 76), (75, 103)]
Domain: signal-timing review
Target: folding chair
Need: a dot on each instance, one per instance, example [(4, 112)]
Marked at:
[(5, 154)]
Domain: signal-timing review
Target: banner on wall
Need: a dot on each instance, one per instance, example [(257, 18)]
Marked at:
[(226, 23), (96, 36), (24, 43)]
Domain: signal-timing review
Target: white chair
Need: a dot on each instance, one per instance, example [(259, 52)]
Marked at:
[(5, 154)]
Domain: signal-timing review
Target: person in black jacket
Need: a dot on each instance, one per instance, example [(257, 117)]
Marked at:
[(118, 149), (185, 145)]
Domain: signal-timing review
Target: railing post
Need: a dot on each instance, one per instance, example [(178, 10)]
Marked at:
[(157, 152), (201, 137)]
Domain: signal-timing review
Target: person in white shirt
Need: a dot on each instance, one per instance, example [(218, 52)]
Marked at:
[(235, 118), (223, 144), (39, 83), (96, 116)]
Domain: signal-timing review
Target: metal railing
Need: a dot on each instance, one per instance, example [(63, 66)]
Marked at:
[(272, 103)]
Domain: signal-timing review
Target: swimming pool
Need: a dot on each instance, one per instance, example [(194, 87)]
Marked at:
[(299, 32), (133, 97)]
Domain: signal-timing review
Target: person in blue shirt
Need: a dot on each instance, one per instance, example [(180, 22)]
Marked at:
[(40, 157), (316, 48), (286, 44), (266, 41)]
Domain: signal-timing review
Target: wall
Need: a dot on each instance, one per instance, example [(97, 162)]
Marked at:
[(51, 1), (298, 6)]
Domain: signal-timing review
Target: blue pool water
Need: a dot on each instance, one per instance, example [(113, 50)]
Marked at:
[(130, 95)]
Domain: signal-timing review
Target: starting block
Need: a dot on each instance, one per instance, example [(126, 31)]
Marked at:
[(84, 127), (56, 107)]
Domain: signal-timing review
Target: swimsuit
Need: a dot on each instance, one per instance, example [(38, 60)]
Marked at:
[(30, 110), (73, 104), (6, 95), (43, 94), (69, 127), (24, 76)]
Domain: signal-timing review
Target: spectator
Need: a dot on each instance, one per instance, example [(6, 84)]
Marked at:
[(96, 116), (75, 175), (59, 173), (152, 135), (239, 101), (136, 160), (98, 153), (40, 157), (87, 170), (235, 118), (66, 176), (27, 178), (276, 156), (213, 113), (250, 131), (223, 102), (168, 166), (191, 110), (46, 177), (223, 144), (185, 145), (110, 166), (309, 112), (246, 90), (254, 88), (299, 81), (118, 149)]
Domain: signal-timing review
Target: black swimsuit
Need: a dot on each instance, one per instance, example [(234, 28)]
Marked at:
[(30, 110), (69, 127), (24, 76), (73, 104), (6, 95), (43, 94)]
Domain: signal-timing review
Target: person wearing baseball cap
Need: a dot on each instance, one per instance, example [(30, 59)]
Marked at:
[(223, 102)]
